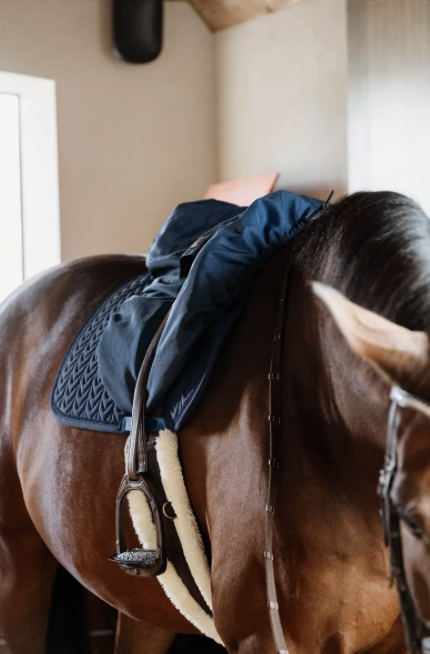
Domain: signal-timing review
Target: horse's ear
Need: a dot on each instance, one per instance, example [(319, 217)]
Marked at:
[(399, 354)]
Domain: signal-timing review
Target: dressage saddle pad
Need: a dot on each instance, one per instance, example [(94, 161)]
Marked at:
[(79, 398)]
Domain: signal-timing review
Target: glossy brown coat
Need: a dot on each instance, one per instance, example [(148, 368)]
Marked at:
[(58, 484)]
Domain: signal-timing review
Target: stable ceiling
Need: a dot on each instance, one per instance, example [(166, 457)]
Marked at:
[(220, 14)]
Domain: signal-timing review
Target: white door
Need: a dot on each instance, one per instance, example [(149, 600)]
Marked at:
[(29, 202), (11, 250)]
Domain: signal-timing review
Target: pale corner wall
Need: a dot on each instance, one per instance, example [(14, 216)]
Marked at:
[(134, 141), (282, 87), (389, 125)]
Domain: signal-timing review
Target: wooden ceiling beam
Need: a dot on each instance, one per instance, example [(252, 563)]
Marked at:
[(220, 14)]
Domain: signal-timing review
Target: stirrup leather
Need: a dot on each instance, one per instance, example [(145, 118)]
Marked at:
[(139, 561)]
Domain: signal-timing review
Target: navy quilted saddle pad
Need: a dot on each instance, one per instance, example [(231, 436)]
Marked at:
[(79, 398)]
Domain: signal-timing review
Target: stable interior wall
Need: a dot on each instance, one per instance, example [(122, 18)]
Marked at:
[(282, 87), (389, 91), (134, 141)]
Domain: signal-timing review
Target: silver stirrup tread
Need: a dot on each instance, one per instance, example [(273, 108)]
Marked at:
[(144, 558)]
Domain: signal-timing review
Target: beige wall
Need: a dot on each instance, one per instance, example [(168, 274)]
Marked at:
[(389, 114), (133, 140), (282, 97)]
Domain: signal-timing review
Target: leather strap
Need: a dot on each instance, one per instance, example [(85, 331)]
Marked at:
[(137, 459), (275, 441), (415, 631)]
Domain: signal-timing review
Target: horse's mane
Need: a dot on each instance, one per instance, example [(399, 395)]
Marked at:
[(375, 248)]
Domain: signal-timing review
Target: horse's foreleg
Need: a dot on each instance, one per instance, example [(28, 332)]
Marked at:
[(141, 638)]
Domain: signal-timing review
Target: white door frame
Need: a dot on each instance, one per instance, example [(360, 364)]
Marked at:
[(39, 170)]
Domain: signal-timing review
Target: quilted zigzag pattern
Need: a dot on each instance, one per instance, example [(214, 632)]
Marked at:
[(78, 391)]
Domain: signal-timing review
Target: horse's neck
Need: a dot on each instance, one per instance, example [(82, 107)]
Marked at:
[(335, 420)]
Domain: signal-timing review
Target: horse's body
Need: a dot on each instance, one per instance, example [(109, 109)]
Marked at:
[(58, 484)]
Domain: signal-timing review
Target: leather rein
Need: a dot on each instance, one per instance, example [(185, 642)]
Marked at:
[(415, 630), (275, 442)]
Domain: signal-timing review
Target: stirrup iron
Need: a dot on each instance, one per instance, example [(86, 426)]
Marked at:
[(138, 561)]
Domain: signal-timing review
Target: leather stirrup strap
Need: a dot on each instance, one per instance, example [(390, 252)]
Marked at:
[(137, 459), (275, 442)]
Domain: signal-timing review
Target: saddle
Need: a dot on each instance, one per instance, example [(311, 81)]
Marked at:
[(171, 380)]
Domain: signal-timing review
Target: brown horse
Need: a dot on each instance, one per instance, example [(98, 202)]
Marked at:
[(401, 357), (58, 484)]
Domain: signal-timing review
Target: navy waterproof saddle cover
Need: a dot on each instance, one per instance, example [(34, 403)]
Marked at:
[(205, 285)]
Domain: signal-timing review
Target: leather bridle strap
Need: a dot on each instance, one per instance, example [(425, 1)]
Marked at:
[(275, 442), (408, 401), (414, 628)]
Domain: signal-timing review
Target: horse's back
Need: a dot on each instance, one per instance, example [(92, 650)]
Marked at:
[(76, 285)]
